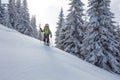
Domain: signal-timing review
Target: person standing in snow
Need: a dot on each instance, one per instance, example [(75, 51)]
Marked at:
[(47, 33)]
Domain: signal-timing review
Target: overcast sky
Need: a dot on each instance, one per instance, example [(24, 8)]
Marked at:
[(47, 11)]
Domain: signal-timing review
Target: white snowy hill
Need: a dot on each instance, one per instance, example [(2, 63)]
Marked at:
[(25, 58)]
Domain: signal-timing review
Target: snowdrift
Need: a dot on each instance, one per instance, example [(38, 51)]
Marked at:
[(25, 58)]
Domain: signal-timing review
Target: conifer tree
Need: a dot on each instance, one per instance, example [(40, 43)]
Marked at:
[(6, 17), (60, 24), (26, 11), (20, 25), (74, 28), (118, 31), (40, 35), (12, 14), (34, 27), (2, 14), (100, 46), (26, 18)]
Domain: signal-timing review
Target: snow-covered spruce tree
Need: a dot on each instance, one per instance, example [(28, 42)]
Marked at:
[(100, 46), (2, 14), (12, 14), (74, 28), (34, 27), (26, 19), (118, 32), (6, 17), (40, 35), (60, 24), (20, 21)]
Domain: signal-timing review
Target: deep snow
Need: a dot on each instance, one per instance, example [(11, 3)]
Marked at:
[(25, 58)]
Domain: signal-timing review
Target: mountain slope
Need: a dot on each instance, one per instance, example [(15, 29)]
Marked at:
[(25, 58)]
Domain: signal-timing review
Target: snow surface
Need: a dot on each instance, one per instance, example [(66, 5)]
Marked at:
[(25, 58)]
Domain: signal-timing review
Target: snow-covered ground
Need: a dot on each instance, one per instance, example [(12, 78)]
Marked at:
[(25, 58)]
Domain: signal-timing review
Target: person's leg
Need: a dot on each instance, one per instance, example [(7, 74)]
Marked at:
[(48, 41), (45, 37)]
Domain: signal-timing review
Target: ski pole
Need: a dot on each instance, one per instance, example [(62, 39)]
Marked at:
[(51, 42)]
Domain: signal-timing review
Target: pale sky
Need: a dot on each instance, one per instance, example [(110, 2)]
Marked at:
[(47, 11)]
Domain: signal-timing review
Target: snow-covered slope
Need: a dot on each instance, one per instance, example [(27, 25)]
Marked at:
[(25, 58)]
